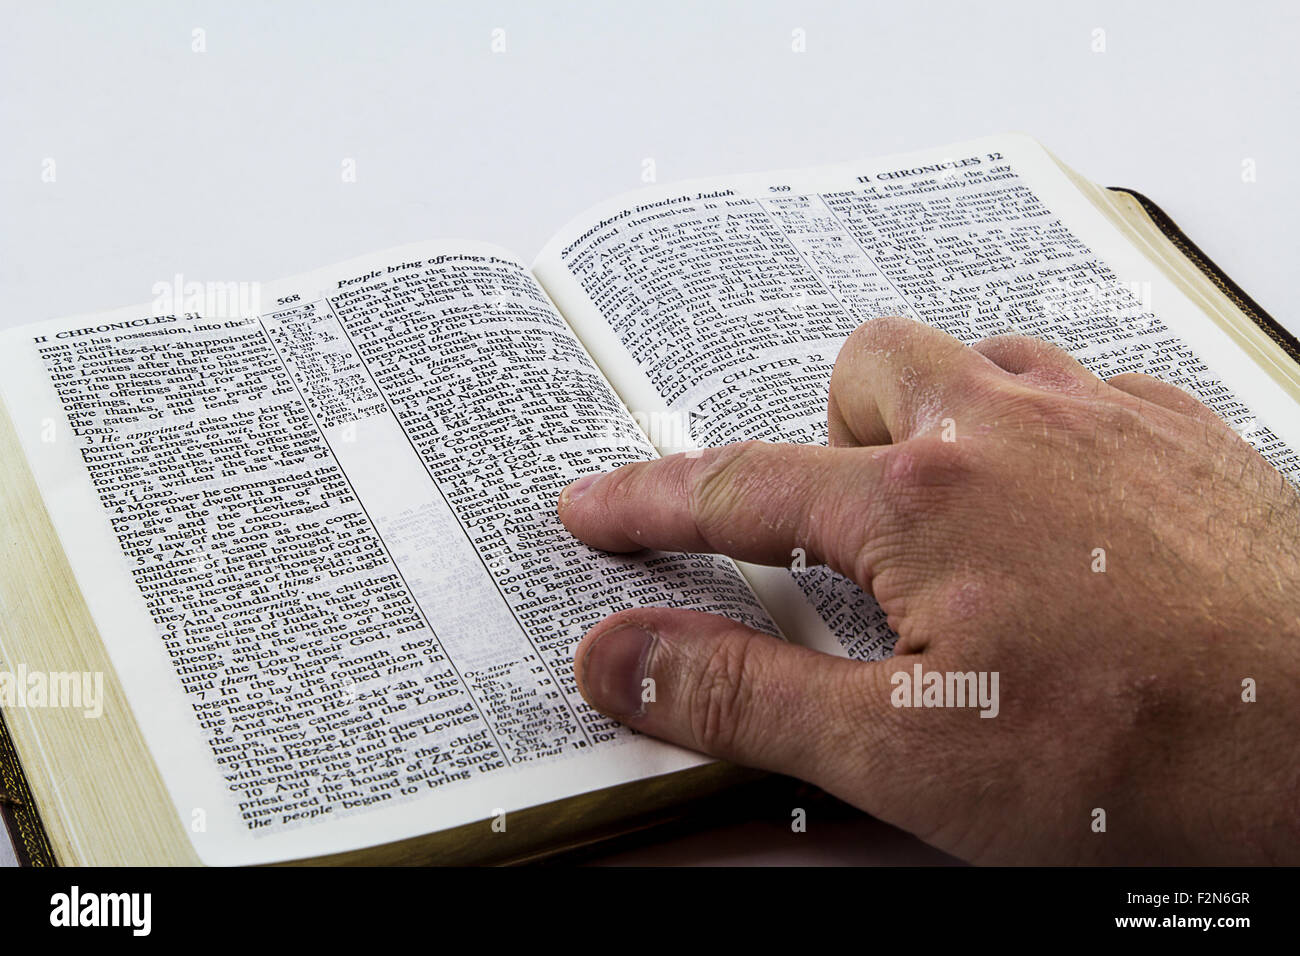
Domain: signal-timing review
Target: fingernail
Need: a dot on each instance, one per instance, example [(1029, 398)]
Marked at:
[(614, 668), (575, 489)]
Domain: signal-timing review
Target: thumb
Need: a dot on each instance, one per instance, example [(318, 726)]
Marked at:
[(716, 686)]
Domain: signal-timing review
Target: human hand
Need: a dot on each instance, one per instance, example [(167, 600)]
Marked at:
[(1120, 690)]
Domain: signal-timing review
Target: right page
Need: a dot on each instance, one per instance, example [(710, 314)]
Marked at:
[(720, 305)]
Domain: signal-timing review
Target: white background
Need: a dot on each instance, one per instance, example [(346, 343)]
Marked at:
[(226, 165)]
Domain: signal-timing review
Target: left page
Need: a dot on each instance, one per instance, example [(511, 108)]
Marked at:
[(314, 522)]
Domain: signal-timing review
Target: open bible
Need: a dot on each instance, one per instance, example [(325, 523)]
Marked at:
[(282, 575)]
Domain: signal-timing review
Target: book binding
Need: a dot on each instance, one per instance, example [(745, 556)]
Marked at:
[(18, 808)]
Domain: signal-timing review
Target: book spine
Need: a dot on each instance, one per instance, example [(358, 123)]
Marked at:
[(18, 808), (1253, 310)]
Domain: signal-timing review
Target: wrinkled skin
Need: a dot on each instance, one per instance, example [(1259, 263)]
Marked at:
[(1120, 690)]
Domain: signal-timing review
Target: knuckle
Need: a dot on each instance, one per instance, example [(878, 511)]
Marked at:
[(718, 702), (618, 485), (1107, 417), (1005, 342), (1052, 415), (880, 331), (925, 491), (1042, 414), (982, 388), (928, 463), (1156, 391), (712, 487), (1023, 348)]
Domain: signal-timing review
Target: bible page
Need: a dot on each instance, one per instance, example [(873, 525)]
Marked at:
[(314, 522), (719, 306)]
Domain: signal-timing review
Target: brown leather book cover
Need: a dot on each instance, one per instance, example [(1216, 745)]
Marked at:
[(18, 809)]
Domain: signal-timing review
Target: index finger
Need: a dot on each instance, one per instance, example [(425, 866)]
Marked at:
[(753, 501)]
